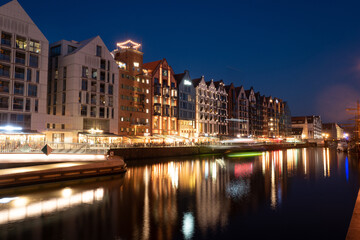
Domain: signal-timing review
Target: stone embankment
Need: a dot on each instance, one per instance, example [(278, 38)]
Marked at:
[(58, 172), (162, 152)]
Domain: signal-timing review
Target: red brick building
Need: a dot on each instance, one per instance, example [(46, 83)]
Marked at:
[(134, 91), (164, 98)]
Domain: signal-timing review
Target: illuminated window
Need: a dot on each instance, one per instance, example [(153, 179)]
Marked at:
[(136, 64), (34, 46), (94, 74), (21, 42)]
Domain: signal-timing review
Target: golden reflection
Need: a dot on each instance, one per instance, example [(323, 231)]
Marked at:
[(304, 159), (273, 187), (326, 162), (22, 208)]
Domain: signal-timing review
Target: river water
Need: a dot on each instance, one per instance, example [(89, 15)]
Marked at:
[(290, 194)]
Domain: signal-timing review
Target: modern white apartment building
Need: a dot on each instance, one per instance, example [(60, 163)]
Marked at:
[(23, 70), (82, 91)]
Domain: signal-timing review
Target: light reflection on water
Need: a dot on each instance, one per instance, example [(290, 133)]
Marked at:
[(196, 197)]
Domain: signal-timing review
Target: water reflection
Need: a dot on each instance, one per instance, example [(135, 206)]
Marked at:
[(187, 198)]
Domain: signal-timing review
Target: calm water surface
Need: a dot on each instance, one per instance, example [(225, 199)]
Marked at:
[(290, 194)]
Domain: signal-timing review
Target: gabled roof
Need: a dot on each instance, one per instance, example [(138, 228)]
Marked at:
[(217, 83), (238, 90), (227, 87), (13, 9), (151, 65), (178, 77), (82, 44), (196, 81)]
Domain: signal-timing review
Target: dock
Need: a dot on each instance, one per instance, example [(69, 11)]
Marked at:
[(58, 172), (354, 227)]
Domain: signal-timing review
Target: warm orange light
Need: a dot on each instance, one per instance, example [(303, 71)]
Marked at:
[(129, 44)]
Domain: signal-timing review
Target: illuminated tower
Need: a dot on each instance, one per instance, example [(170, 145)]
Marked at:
[(134, 90)]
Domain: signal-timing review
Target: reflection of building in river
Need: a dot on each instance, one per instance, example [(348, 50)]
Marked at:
[(212, 204), (274, 169), (150, 194)]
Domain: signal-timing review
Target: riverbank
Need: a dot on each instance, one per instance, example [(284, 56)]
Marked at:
[(130, 154), (354, 227), (58, 172)]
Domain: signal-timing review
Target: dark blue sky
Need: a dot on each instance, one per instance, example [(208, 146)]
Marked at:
[(305, 52)]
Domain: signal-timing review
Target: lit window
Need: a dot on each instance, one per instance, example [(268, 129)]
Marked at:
[(147, 110), (147, 81), (136, 64), (34, 46), (21, 43), (147, 100)]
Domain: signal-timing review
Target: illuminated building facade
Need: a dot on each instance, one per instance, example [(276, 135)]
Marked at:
[(311, 126), (242, 112), (23, 70), (211, 108), (232, 110), (254, 115), (134, 91), (333, 131), (164, 98), (220, 108), (186, 105), (250, 94), (82, 91)]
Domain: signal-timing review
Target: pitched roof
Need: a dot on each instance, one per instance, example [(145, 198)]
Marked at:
[(82, 44), (178, 77), (217, 83), (13, 9), (238, 90), (151, 65), (196, 81)]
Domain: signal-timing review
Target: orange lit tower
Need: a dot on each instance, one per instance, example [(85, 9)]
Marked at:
[(134, 90)]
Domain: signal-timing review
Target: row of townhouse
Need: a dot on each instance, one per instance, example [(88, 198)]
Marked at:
[(74, 91), (255, 115)]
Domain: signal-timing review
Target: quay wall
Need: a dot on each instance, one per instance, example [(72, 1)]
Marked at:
[(54, 174), (162, 152)]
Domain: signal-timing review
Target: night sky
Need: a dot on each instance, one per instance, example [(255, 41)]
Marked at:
[(305, 52)]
